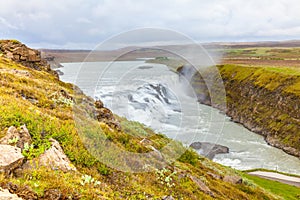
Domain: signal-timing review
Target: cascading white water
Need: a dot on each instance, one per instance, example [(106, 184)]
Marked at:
[(153, 95)]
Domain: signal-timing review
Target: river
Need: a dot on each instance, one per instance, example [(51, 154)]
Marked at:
[(155, 96)]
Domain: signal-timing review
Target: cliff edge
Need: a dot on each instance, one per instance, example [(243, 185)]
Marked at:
[(264, 99)]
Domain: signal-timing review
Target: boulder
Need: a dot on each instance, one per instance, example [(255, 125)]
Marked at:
[(201, 185), (6, 195), (233, 179), (209, 150), (10, 158), (22, 135), (53, 158)]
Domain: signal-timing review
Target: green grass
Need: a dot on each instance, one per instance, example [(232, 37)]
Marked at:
[(289, 53), (285, 191)]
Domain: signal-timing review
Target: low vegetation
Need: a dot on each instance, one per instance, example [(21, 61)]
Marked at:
[(45, 104)]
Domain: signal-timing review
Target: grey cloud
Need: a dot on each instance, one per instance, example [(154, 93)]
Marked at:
[(85, 23)]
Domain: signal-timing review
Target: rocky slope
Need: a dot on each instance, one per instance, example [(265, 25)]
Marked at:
[(52, 158), (263, 99)]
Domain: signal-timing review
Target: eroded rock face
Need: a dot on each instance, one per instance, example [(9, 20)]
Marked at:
[(6, 195), (22, 136), (273, 113), (53, 158), (209, 150), (106, 116), (20, 53), (10, 158)]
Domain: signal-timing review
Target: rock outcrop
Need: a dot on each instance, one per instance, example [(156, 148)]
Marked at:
[(233, 179), (106, 116), (53, 158), (209, 150), (24, 55), (201, 185), (10, 158)]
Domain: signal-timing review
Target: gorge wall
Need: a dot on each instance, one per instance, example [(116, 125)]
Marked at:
[(263, 99)]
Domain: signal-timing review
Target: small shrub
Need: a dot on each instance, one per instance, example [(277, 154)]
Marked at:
[(28, 151), (190, 157), (165, 177), (64, 101), (89, 180)]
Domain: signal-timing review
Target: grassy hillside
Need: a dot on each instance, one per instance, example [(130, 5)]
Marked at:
[(42, 102)]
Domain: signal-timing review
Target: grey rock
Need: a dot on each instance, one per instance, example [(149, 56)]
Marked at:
[(10, 158), (233, 179), (53, 158), (201, 185), (209, 150)]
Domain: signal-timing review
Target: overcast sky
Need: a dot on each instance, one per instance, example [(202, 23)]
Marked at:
[(85, 23)]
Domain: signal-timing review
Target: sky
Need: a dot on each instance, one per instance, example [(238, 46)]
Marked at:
[(82, 24)]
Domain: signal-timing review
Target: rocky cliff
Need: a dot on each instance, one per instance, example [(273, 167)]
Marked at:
[(265, 100), (24, 55)]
